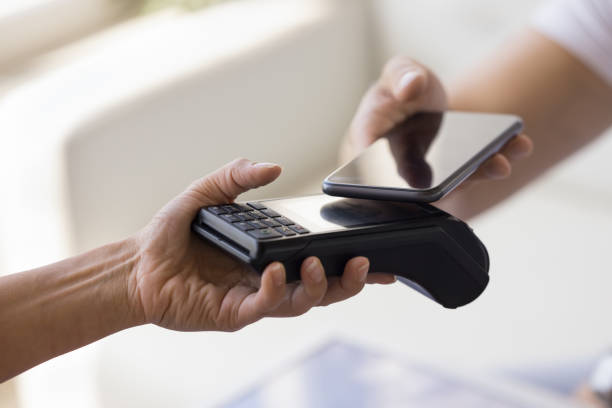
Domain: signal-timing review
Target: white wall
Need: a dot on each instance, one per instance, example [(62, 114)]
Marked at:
[(446, 35), (28, 27)]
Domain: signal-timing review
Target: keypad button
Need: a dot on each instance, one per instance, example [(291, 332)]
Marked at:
[(286, 231), (257, 220), (271, 223), (264, 233), (284, 221), (217, 210), (257, 215), (299, 229), (242, 207), (229, 209), (230, 218), (271, 213), (244, 216), (257, 206), (243, 226), (257, 224)]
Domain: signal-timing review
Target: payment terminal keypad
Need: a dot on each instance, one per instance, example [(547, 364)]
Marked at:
[(257, 220)]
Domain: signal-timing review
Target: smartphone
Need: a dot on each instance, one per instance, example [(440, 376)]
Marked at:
[(425, 157), (429, 250)]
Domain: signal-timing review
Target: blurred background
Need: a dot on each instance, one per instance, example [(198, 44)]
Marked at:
[(108, 108)]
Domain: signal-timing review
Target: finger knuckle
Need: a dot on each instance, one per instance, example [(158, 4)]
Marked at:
[(239, 161), (300, 306), (234, 177), (354, 288), (316, 295), (303, 309)]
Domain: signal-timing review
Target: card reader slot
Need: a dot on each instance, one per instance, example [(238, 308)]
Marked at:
[(224, 242)]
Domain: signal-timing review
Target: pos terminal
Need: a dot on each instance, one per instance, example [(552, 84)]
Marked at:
[(426, 248)]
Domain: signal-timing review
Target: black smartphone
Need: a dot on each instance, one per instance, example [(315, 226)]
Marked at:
[(428, 249), (424, 157)]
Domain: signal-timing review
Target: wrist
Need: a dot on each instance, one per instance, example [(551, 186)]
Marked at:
[(115, 299), (125, 277), (106, 276), (57, 308)]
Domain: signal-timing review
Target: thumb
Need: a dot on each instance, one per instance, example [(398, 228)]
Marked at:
[(220, 187), (404, 78), (231, 180)]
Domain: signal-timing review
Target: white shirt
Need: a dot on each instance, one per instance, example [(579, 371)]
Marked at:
[(583, 28)]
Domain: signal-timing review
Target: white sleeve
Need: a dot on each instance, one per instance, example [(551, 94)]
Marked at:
[(583, 28)]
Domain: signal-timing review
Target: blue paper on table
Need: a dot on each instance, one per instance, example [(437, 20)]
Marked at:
[(344, 375)]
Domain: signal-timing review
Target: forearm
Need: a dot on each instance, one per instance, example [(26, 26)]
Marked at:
[(57, 308), (564, 106)]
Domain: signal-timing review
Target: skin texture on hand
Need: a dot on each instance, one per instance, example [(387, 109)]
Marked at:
[(184, 283)]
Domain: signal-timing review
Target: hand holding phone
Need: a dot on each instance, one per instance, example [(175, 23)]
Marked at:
[(404, 88)]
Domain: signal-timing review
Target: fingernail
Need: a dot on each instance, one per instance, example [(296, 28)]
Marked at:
[(277, 275), (363, 271), (314, 271), (407, 79), (265, 165)]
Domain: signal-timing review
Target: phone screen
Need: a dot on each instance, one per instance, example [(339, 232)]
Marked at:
[(428, 150), (322, 213)]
